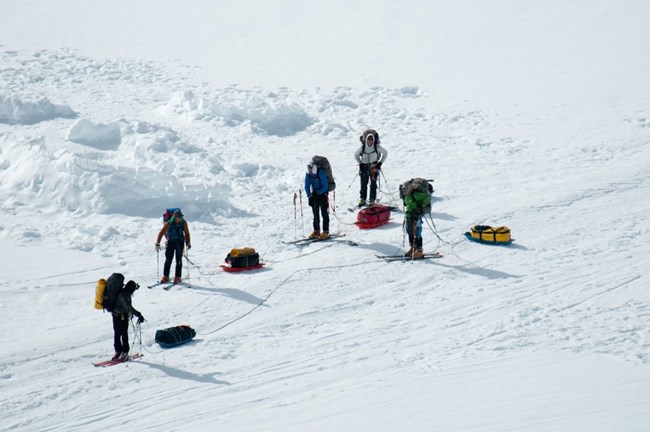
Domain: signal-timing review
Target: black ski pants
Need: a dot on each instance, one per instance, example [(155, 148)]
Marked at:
[(320, 205), (174, 248), (366, 177), (121, 333)]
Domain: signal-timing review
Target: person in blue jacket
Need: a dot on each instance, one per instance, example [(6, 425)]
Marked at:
[(316, 188)]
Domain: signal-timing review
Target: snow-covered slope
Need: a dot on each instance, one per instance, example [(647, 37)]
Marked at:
[(536, 119)]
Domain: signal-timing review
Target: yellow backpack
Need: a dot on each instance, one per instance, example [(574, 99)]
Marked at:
[(488, 234), (99, 293)]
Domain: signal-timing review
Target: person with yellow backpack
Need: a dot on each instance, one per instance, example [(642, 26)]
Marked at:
[(122, 313)]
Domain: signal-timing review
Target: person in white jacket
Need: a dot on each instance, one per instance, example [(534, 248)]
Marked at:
[(370, 156)]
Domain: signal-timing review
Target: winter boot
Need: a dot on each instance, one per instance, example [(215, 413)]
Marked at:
[(116, 356), (124, 356), (362, 202), (371, 202), (314, 234), (324, 235), (409, 253), (164, 279), (177, 280), (418, 253)]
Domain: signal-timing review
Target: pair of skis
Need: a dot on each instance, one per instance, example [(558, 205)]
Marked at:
[(389, 258), (304, 241), (107, 363), (166, 285)]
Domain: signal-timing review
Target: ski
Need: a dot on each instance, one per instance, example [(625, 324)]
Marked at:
[(310, 240), (166, 285), (158, 284), (406, 258), (169, 285), (107, 363)]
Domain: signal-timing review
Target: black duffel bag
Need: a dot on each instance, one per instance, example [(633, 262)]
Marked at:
[(242, 258), (173, 336)]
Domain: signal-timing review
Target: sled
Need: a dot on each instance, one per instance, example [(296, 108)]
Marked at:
[(373, 217), (230, 269)]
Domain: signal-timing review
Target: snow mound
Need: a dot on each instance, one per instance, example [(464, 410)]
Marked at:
[(267, 113), (14, 111), (97, 135)]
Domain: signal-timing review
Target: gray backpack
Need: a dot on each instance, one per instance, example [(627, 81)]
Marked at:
[(323, 164)]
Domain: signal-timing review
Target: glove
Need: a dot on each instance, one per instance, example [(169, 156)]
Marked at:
[(157, 247), (310, 200), (378, 165), (140, 319), (189, 246)]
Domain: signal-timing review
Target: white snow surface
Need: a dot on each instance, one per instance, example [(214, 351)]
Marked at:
[(530, 115)]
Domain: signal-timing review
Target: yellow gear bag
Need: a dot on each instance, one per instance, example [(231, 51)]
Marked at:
[(245, 251), (99, 293), (488, 234)]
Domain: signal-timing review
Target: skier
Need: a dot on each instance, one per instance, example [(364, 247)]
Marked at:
[(316, 188), (178, 235), (415, 203), (370, 156), (122, 313)]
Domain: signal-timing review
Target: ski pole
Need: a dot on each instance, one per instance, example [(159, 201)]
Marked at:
[(302, 218), (295, 215), (158, 262), (187, 258), (355, 177), (392, 197)]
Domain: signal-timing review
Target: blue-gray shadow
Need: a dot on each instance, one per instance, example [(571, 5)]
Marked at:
[(230, 292), (186, 375)]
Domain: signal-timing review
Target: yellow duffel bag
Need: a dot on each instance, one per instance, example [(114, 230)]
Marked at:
[(245, 251), (488, 234)]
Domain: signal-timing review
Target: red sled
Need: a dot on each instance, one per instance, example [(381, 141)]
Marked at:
[(231, 269), (373, 216)]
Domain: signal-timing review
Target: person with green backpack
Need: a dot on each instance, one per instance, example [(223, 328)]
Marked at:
[(416, 195)]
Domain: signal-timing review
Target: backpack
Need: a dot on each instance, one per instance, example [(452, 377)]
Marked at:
[(169, 213), (322, 163), (175, 231), (417, 185), (362, 138), (114, 284), (99, 293)]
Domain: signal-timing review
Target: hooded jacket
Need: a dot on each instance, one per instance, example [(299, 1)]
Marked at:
[(370, 154), (123, 304)]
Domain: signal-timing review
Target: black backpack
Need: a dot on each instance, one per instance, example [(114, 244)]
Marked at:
[(322, 163), (114, 284)]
